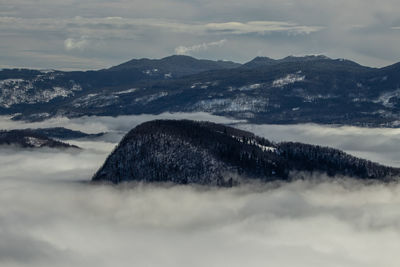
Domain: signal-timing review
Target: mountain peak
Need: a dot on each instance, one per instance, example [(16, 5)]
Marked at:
[(172, 66), (293, 58), (259, 61), (178, 57), (266, 61)]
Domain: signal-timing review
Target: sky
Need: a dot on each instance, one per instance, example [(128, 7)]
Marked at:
[(51, 216), (94, 34)]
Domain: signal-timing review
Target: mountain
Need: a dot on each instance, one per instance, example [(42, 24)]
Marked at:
[(259, 62), (266, 61), (31, 139), (213, 154), (174, 66), (62, 133), (291, 90), (38, 94)]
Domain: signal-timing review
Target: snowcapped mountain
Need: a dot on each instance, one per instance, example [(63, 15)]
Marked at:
[(289, 90), (213, 154)]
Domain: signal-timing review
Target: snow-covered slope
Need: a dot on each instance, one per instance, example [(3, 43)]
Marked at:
[(39, 89), (307, 89)]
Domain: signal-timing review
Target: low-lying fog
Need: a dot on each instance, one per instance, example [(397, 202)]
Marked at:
[(50, 216)]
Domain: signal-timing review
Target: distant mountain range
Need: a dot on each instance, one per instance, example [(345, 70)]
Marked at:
[(189, 152), (62, 133), (286, 91), (43, 137), (27, 138)]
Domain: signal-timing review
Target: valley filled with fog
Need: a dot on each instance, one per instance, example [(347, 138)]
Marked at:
[(51, 216)]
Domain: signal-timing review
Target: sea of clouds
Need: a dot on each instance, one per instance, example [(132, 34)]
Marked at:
[(51, 216)]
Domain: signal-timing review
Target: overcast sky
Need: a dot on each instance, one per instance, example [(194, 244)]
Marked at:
[(91, 34)]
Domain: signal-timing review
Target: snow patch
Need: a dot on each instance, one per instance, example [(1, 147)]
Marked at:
[(239, 104), (150, 72), (267, 148), (11, 81), (149, 98), (35, 142), (203, 85), (95, 100), (20, 91), (288, 79), (312, 98), (254, 142), (128, 91), (385, 98), (250, 87)]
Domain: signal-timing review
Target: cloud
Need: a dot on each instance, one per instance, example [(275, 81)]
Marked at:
[(183, 50), (76, 44), (50, 216), (378, 144), (260, 27), (156, 27), (110, 39), (107, 25), (96, 124)]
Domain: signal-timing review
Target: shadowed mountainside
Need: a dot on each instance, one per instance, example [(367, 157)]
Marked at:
[(213, 154)]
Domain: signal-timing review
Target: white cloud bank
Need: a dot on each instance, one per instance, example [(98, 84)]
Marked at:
[(184, 50), (378, 144), (76, 44), (50, 217), (110, 26), (261, 27)]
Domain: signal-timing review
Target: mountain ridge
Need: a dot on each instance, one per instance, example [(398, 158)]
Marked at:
[(170, 61), (285, 91)]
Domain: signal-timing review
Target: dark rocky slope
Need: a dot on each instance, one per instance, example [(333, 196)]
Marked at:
[(212, 154)]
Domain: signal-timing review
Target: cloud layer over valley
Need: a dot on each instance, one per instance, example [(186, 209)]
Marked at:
[(51, 216)]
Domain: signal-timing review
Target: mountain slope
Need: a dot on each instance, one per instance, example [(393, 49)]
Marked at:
[(213, 154), (290, 90)]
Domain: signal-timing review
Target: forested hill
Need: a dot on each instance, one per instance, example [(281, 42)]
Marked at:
[(213, 154)]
